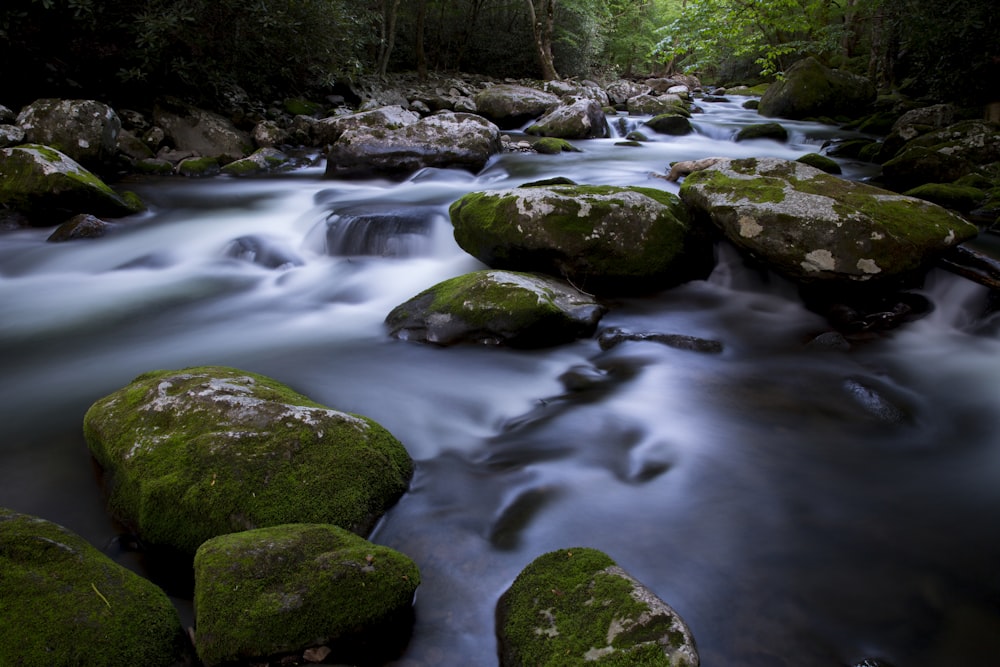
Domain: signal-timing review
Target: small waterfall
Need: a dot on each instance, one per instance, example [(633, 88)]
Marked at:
[(385, 232)]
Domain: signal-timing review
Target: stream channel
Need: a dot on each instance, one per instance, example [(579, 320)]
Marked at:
[(796, 505)]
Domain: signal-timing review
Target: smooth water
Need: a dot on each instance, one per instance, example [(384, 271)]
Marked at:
[(798, 505)]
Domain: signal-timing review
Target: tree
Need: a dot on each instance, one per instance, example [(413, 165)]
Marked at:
[(542, 20)]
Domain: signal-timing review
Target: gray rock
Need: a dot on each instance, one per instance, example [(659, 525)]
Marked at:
[(654, 105), (82, 226), (85, 130), (201, 132), (511, 106), (580, 119), (621, 91), (11, 135), (328, 130), (810, 89), (261, 161)]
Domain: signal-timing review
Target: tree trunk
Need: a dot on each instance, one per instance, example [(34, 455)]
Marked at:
[(419, 47), (388, 36), (542, 27)]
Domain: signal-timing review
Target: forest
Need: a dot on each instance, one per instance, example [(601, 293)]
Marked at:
[(206, 49)]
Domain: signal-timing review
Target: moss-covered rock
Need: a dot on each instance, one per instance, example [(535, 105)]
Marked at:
[(201, 132), (810, 89), (63, 602), (577, 607), (654, 105), (580, 119), (601, 238), (82, 226), (497, 307), (195, 453), (957, 197), (918, 165), (774, 131), (49, 187), (85, 130), (821, 162), (676, 124), (198, 167), (554, 146), (283, 589), (812, 226), (261, 161)]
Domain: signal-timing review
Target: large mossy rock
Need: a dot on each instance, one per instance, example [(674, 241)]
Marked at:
[(63, 602), (50, 187), (497, 308), (85, 130), (280, 590), (204, 133), (812, 90), (446, 139), (655, 105), (511, 106), (601, 238), (580, 119), (205, 451), (577, 607), (811, 226)]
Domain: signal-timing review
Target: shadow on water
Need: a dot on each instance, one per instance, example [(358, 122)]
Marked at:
[(799, 503)]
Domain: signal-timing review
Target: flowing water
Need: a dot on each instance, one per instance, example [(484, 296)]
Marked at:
[(796, 504)]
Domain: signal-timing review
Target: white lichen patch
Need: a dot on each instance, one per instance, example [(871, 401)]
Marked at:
[(749, 227), (868, 266), (595, 654), (550, 629), (949, 239), (819, 260)]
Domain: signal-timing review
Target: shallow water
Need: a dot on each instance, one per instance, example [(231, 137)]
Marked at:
[(798, 505)]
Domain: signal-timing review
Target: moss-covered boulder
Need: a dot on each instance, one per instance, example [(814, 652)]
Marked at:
[(82, 226), (85, 130), (388, 118), (497, 308), (261, 161), (199, 167), (773, 131), (918, 165), (812, 226), (63, 602), (821, 162), (654, 105), (511, 106), (577, 607), (810, 90), (554, 146), (675, 123), (281, 590), (49, 187), (963, 198), (446, 139), (195, 453), (601, 238), (580, 119)]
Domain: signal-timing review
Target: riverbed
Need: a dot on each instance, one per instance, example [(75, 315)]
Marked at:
[(798, 504)]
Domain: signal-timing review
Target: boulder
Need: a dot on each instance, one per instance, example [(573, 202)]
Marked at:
[(585, 89), (387, 119), (11, 135), (578, 607), (975, 141), (674, 123), (773, 131), (604, 239), (580, 119), (622, 91), (277, 592), (132, 148), (268, 134), (814, 227), (511, 106), (819, 161), (85, 130), (63, 602), (446, 139), (811, 89), (654, 105), (554, 146), (963, 198), (918, 165), (191, 454), (260, 161), (49, 187), (201, 132), (497, 308), (7, 117), (81, 226)]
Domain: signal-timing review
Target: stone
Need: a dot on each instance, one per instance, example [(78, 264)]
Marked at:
[(49, 187), (63, 602), (774, 131), (497, 308), (11, 135), (82, 226), (261, 161), (603, 239), (577, 607), (296, 587), (580, 119), (811, 226), (810, 89), (554, 146), (195, 453), (676, 124), (654, 105), (204, 133), (511, 106), (821, 162), (85, 130)]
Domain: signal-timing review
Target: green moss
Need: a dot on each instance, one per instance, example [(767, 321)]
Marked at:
[(759, 190), (289, 587), (820, 162), (183, 469), (198, 167), (957, 197), (63, 602), (553, 146)]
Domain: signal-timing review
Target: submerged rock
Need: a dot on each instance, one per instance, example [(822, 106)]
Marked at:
[(272, 592), (49, 187), (577, 607), (63, 602), (497, 307), (600, 238), (195, 453), (811, 226)]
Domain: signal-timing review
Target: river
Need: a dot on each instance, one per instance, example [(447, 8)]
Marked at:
[(797, 505)]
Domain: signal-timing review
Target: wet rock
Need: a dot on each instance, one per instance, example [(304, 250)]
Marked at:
[(268, 134), (675, 124), (387, 119), (812, 227), (201, 132), (962, 198), (261, 161), (820, 162), (82, 226), (654, 105), (49, 187), (621, 91), (497, 308), (580, 119), (610, 338), (191, 454), (63, 602), (918, 165), (132, 147), (554, 146), (511, 106), (294, 588), (85, 130), (809, 89), (263, 251), (601, 238), (11, 135), (774, 131), (198, 167), (7, 117), (576, 606)]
